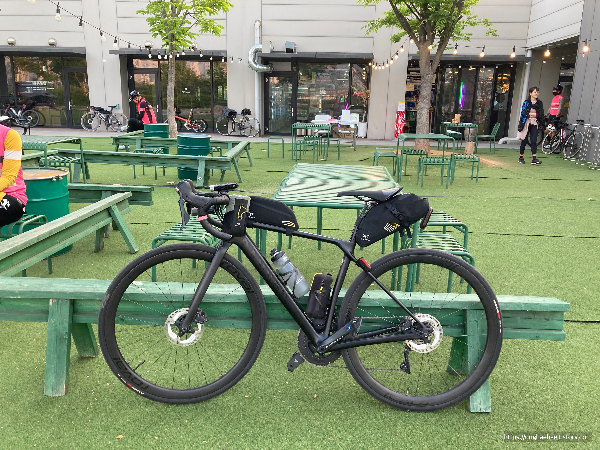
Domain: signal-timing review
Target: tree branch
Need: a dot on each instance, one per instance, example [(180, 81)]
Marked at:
[(403, 22)]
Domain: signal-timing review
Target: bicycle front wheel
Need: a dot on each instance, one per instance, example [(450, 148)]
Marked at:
[(90, 121), (547, 144), (225, 127), (467, 330), (117, 121), (31, 117), (250, 127), (138, 325), (573, 145)]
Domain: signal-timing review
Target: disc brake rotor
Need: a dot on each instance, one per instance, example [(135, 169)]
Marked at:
[(435, 338), (172, 330), (308, 352)]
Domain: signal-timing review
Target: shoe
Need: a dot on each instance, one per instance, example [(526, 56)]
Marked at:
[(547, 146), (121, 147), (522, 160), (124, 128), (535, 161)]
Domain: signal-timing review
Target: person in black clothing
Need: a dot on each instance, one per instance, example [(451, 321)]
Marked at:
[(145, 113), (530, 122)]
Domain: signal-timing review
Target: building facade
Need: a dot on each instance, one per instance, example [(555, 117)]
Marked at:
[(319, 53)]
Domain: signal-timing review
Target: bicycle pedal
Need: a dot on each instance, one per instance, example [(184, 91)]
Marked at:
[(295, 361)]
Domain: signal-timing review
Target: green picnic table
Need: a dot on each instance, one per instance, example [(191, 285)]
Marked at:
[(440, 138), (140, 141), (41, 143), (444, 129), (317, 186)]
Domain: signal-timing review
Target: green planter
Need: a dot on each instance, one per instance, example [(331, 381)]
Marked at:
[(192, 144), (160, 130)]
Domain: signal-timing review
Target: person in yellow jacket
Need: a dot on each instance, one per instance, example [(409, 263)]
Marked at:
[(12, 187)]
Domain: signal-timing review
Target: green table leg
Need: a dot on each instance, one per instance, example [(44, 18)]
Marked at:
[(319, 223), (58, 347)]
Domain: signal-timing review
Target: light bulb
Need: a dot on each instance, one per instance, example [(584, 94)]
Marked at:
[(455, 49), (201, 54), (513, 54), (585, 47), (547, 52), (57, 17), (430, 47), (370, 64), (482, 54), (149, 55), (222, 59), (159, 56), (31, 1), (392, 61), (115, 44), (102, 37), (182, 52), (412, 41), (396, 55), (402, 49), (387, 65)]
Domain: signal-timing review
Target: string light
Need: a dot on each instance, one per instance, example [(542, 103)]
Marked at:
[(482, 54), (455, 49), (149, 53), (547, 52), (412, 41), (370, 63), (514, 53), (102, 37), (57, 17), (391, 60), (396, 55), (402, 48), (182, 52), (240, 60), (81, 21), (430, 47), (585, 47), (222, 59), (115, 43)]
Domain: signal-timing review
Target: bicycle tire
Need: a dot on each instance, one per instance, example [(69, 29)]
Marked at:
[(90, 121), (138, 337), (546, 144), (224, 128), (201, 125), (250, 127), (572, 145), (555, 144), (31, 117), (437, 377), (116, 121), (42, 117)]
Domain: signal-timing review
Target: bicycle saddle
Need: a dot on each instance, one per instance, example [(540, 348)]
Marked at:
[(380, 196)]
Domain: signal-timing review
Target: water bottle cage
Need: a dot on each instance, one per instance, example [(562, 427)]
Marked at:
[(285, 276)]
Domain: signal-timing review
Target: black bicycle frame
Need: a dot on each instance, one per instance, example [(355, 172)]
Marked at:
[(258, 260)]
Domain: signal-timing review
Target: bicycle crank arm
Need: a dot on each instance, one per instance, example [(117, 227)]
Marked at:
[(352, 326)]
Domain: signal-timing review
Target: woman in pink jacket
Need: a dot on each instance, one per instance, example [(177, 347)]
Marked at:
[(12, 186)]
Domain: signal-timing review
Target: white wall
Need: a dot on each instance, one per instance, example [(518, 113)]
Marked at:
[(553, 20)]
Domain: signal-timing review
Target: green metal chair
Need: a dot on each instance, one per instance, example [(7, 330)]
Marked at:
[(466, 157), (425, 161), (491, 136)]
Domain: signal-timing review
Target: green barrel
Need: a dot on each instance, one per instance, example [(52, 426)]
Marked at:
[(156, 130), (47, 194), (192, 144)]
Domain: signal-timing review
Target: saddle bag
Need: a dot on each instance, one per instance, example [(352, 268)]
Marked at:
[(385, 218), (271, 212)]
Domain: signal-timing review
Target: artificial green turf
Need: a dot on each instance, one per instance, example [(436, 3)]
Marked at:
[(533, 231)]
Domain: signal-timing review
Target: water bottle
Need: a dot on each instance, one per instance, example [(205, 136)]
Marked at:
[(289, 273)]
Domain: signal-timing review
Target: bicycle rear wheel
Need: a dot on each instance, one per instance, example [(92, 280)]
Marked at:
[(117, 121), (32, 117), (463, 348), (547, 144), (572, 145), (90, 121), (138, 331), (250, 127)]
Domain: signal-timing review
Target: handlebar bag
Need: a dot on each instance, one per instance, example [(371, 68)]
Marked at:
[(387, 217), (236, 215), (271, 212)]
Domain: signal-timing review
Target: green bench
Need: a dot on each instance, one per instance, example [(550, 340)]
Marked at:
[(203, 163), (91, 193), (71, 306), (26, 249)]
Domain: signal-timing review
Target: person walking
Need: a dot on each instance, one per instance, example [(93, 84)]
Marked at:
[(144, 110), (12, 187), (530, 122)]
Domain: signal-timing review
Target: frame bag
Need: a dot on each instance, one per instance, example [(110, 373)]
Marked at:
[(271, 212), (385, 218)]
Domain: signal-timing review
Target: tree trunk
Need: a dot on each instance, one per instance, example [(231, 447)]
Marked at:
[(424, 104), (171, 98)]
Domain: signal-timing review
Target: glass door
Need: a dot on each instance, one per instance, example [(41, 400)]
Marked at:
[(280, 102), (147, 83), (502, 99), (77, 94), (483, 98), (466, 93)]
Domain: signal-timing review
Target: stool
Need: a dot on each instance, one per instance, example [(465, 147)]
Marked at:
[(464, 157), (25, 220), (276, 138), (329, 140), (386, 154), (425, 161), (300, 145), (154, 150), (404, 157)]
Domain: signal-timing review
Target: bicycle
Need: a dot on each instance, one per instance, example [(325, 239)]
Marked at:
[(191, 338), (190, 124), (24, 117), (228, 123), (568, 141), (91, 121)]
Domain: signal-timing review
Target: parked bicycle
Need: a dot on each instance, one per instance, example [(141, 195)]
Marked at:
[(566, 140), (228, 123), (190, 124), (22, 116), (91, 121), (184, 322)]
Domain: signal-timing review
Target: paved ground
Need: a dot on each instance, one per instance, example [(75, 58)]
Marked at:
[(80, 132)]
